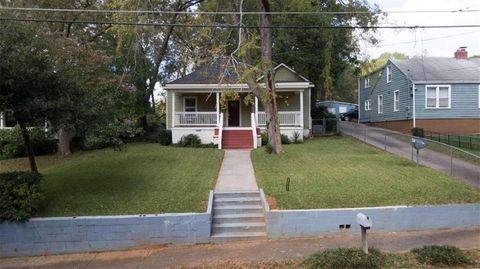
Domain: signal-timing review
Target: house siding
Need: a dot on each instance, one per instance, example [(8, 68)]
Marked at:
[(464, 103), (379, 86)]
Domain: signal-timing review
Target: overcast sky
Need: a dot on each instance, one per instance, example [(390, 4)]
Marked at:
[(440, 47)]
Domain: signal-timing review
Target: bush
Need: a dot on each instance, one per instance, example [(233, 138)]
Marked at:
[(285, 139), (419, 132), (20, 195), (441, 255), (264, 139), (268, 149), (191, 140), (110, 135), (296, 138), (165, 137), (11, 143), (346, 258)]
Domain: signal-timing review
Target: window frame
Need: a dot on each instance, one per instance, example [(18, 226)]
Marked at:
[(396, 101), (184, 104), (478, 95), (367, 82), (379, 104), (367, 105), (389, 74), (437, 96)]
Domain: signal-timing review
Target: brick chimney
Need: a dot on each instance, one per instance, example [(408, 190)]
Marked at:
[(461, 53)]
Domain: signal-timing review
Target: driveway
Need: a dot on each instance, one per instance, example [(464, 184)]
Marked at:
[(397, 144)]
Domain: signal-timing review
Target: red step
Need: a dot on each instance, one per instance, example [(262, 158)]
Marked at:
[(237, 139)]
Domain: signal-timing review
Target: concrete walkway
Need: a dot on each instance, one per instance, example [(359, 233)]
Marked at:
[(236, 173), (464, 171), (254, 251)]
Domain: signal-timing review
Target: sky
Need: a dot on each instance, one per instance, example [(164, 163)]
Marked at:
[(445, 41)]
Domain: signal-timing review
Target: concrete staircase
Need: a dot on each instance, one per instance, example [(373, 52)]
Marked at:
[(237, 216), (237, 139)]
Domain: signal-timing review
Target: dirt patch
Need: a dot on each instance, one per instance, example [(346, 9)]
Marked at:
[(272, 202)]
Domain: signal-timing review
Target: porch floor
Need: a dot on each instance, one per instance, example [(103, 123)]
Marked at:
[(236, 172)]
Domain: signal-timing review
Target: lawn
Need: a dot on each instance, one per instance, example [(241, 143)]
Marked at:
[(140, 179), (340, 172)]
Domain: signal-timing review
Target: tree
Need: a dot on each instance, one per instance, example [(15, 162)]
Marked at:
[(28, 80), (380, 61)]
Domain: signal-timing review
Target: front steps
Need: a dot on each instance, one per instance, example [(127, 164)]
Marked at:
[(237, 139), (237, 216)]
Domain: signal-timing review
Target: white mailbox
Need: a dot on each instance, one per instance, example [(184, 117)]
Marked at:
[(364, 221)]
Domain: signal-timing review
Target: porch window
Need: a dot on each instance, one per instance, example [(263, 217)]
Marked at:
[(437, 96), (380, 104), (190, 104), (396, 100)]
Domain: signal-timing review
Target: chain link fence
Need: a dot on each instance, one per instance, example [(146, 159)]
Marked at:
[(462, 163), (324, 126)]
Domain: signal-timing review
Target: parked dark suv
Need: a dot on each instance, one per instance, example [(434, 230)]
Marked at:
[(349, 115)]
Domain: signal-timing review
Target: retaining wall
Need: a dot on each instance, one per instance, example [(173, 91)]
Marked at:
[(41, 236)]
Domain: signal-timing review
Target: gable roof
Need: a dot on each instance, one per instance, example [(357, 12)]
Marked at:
[(440, 70)]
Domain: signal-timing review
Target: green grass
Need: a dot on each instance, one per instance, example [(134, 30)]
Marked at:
[(140, 179), (339, 172)]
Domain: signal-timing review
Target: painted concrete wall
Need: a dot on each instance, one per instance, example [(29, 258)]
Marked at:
[(205, 134), (41, 236), (298, 223)]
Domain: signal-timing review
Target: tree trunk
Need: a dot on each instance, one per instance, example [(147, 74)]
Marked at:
[(270, 102), (28, 146), (64, 143)]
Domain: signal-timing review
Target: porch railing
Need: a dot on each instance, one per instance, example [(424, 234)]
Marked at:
[(195, 119), (286, 118)]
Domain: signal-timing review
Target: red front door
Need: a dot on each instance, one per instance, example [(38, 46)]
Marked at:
[(233, 113)]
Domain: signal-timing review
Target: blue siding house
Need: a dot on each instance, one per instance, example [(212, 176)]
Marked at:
[(336, 107), (436, 94)]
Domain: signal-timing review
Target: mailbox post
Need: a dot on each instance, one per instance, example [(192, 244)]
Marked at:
[(365, 223), (418, 144)]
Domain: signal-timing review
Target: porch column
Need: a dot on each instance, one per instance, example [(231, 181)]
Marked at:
[(218, 109), (256, 111), (301, 109), (173, 108), (2, 120)]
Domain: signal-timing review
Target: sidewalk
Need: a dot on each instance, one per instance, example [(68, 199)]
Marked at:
[(465, 171), (236, 173), (163, 257)]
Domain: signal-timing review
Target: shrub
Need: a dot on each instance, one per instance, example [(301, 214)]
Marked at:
[(268, 149), (285, 139), (191, 140), (113, 135), (264, 139), (11, 143), (165, 137), (20, 195), (296, 138), (346, 258), (419, 132), (441, 255)]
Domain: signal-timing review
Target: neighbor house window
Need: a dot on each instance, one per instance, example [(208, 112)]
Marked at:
[(7, 120), (389, 73), (380, 104), (190, 104), (437, 96), (367, 82), (396, 100), (367, 105)]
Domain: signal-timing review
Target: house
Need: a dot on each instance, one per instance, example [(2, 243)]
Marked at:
[(336, 107), (445, 99), (6, 120), (194, 106)]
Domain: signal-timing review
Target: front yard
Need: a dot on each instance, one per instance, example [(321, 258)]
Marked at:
[(341, 172), (140, 179)]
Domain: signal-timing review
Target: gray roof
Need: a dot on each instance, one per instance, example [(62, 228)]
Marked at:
[(211, 73), (440, 70)]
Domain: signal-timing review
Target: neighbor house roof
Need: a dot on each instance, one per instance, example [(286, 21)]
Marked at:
[(440, 70)]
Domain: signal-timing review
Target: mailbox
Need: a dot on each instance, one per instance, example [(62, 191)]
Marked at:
[(364, 221), (419, 143)]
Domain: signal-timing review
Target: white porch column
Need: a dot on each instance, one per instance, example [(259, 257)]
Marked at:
[(301, 109), (218, 109), (2, 120), (256, 111), (173, 108)]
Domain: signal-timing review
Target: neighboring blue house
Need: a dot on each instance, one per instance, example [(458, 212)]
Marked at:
[(336, 107), (446, 97)]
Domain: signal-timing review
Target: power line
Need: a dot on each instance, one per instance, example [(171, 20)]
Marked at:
[(427, 39), (236, 26), (232, 13)]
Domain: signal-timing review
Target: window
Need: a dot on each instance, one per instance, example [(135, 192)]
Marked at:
[(190, 104), (478, 96), (7, 119), (331, 110), (437, 96), (342, 109), (389, 73), (367, 82), (396, 100), (367, 105), (380, 104)]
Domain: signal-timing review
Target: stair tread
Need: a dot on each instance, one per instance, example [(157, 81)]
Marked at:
[(237, 207), (240, 234), (237, 199), (239, 224), (236, 192), (239, 215)]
